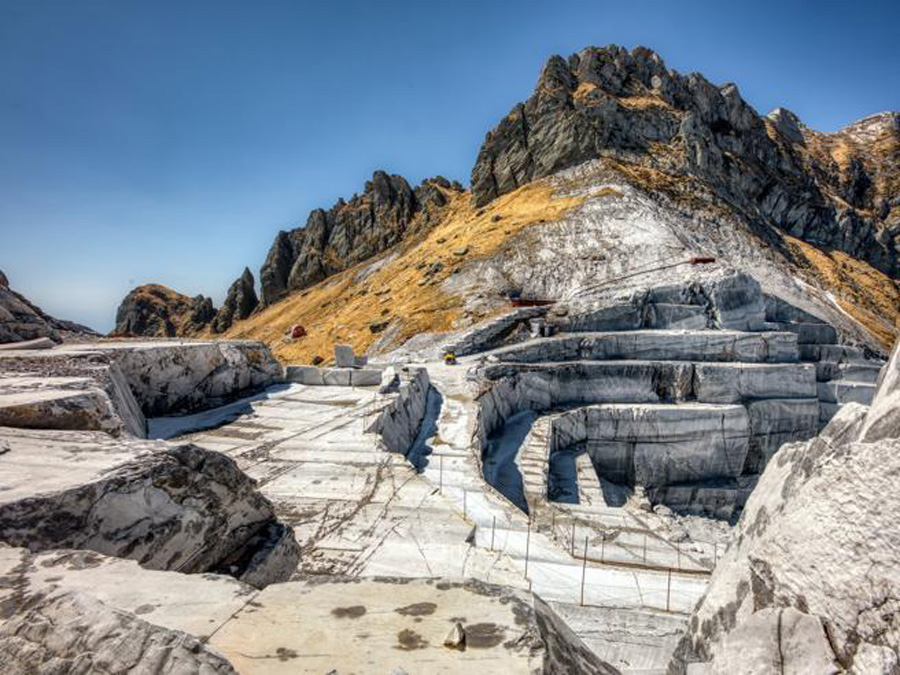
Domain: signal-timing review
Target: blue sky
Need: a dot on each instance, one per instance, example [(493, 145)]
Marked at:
[(169, 141)]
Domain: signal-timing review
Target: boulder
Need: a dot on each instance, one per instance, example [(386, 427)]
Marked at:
[(169, 507), (170, 378), (883, 420), (77, 633), (809, 582), (343, 356)]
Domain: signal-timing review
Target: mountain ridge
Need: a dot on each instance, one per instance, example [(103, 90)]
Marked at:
[(827, 203)]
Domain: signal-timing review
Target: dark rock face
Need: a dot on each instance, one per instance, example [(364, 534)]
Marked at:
[(21, 320), (157, 311), (387, 211), (609, 102), (239, 304)]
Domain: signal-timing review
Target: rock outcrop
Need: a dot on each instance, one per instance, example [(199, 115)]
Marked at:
[(809, 582), (76, 633), (239, 303), (387, 211), (112, 386), (20, 320), (157, 311), (169, 507), (832, 190)]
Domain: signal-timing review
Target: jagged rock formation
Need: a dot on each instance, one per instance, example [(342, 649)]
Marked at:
[(157, 311), (809, 583), (833, 190), (387, 211), (239, 303), (20, 320), (169, 507)]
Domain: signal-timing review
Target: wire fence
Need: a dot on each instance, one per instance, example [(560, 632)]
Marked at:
[(619, 566)]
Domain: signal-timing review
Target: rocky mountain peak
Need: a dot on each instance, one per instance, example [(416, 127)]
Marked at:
[(787, 124), (608, 102), (154, 310), (240, 302), (388, 210)]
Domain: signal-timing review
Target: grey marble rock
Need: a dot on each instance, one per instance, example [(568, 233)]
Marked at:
[(169, 507), (77, 633), (398, 423), (655, 445), (343, 356), (730, 383), (666, 345)]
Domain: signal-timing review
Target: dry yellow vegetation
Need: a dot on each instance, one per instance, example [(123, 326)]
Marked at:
[(869, 296), (395, 287), (643, 102)]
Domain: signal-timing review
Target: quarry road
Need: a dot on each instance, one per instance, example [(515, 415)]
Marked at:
[(360, 511)]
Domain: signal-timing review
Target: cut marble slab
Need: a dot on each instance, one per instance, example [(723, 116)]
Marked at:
[(667, 345)]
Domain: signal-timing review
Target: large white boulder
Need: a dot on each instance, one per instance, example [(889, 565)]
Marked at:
[(810, 581), (169, 507)]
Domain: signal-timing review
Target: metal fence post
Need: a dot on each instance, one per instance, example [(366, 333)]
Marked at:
[(584, 569), (602, 546), (527, 546), (668, 589), (573, 538)]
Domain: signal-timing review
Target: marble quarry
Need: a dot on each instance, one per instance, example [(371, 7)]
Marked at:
[(560, 501), (686, 390)]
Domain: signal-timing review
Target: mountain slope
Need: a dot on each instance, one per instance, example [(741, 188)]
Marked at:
[(555, 239), (350, 232), (387, 300), (614, 165)]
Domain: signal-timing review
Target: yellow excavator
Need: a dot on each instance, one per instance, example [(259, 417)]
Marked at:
[(449, 358)]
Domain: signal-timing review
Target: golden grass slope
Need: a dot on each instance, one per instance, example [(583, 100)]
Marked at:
[(395, 287), (869, 296)]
